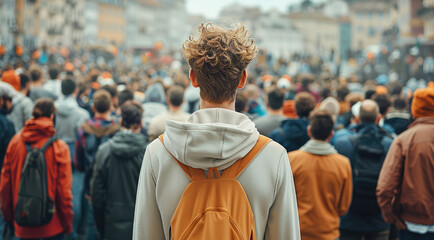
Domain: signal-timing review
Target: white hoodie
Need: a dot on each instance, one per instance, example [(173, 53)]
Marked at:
[(215, 138)]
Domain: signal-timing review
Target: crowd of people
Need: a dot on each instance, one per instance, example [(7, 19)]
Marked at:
[(151, 152)]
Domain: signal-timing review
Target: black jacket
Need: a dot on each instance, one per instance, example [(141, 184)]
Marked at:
[(114, 184)]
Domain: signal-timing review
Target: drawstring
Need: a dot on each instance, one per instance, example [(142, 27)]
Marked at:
[(212, 171)]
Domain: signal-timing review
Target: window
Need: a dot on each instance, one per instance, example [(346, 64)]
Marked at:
[(371, 31), (380, 15), (370, 14)]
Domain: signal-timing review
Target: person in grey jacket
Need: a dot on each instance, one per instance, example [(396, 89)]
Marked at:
[(23, 106), (116, 175), (69, 115)]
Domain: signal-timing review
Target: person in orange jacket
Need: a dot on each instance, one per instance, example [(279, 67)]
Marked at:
[(37, 131)]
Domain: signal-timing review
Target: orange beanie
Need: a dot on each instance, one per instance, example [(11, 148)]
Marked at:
[(12, 78), (423, 102)]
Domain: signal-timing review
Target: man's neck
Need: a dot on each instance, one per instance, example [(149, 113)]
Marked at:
[(227, 105), (275, 112), (133, 130), (174, 109), (36, 84), (105, 116)]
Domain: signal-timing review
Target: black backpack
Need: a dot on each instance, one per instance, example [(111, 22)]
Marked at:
[(366, 166), (34, 206)]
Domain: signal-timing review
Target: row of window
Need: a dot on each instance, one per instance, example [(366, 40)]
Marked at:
[(372, 31), (371, 15)]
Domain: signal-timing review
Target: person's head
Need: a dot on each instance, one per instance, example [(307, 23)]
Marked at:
[(218, 58), (101, 102), (325, 92), (331, 105), (353, 98), (6, 96), (131, 114), (306, 80), (68, 87), (275, 99), (383, 102), (252, 92), (241, 103), (125, 97), (399, 104), (113, 94), (369, 93), (24, 82), (175, 96), (304, 104), (320, 125), (342, 92), (35, 75), (53, 72), (11, 78), (423, 102), (369, 112), (44, 107)]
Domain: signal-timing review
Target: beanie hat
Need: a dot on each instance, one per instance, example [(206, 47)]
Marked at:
[(12, 78), (423, 102)]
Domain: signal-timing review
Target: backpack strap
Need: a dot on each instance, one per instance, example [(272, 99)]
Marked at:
[(231, 172), (48, 143), (238, 167)]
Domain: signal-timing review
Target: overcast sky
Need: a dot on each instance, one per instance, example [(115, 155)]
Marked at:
[(211, 8)]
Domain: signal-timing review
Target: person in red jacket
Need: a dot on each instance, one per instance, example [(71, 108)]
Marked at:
[(37, 131)]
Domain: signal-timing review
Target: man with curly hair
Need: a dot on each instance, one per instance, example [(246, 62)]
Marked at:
[(215, 137)]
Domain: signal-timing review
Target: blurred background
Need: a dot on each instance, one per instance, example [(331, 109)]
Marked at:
[(344, 36)]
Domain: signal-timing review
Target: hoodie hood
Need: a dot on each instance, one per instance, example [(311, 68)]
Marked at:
[(295, 128), (155, 93), (126, 144), (66, 106), (37, 129), (212, 137), (318, 148)]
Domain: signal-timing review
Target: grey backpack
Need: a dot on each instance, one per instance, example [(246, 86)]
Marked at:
[(34, 205)]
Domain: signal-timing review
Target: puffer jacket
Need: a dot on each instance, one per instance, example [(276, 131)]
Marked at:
[(292, 134), (405, 185), (114, 184), (59, 176)]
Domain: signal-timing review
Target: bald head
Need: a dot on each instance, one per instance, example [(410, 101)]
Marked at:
[(369, 111)]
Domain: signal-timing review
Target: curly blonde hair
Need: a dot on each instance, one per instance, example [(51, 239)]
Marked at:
[(218, 56)]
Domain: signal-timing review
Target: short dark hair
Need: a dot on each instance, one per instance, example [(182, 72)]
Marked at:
[(53, 72), (35, 75), (176, 95), (240, 103), (68, 86), (111, 90), (131, 115), (342, 92), (306, 79), (24, 80), (304, 104), (395, 88), (321, 124), (383, 102), (325, 92), (275, 99), (102, 101), (125, 96), (43, 107), (369, 93), (369, 114), (399, 104)]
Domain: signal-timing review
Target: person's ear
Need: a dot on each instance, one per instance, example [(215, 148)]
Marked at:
[(243, 79), (52, 116), (379, 116), (93, 108), (120, 121), (330, 136), (193, 78), (309, 133)]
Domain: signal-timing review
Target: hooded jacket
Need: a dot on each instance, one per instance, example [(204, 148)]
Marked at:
[(344, 145), (155, 103), (292, 134), (114, 184), (59, 176), (21, 111), (215, 138), (324, 188), (69, 117)]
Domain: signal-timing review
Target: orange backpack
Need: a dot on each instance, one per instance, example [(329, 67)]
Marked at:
[(215, 208)]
